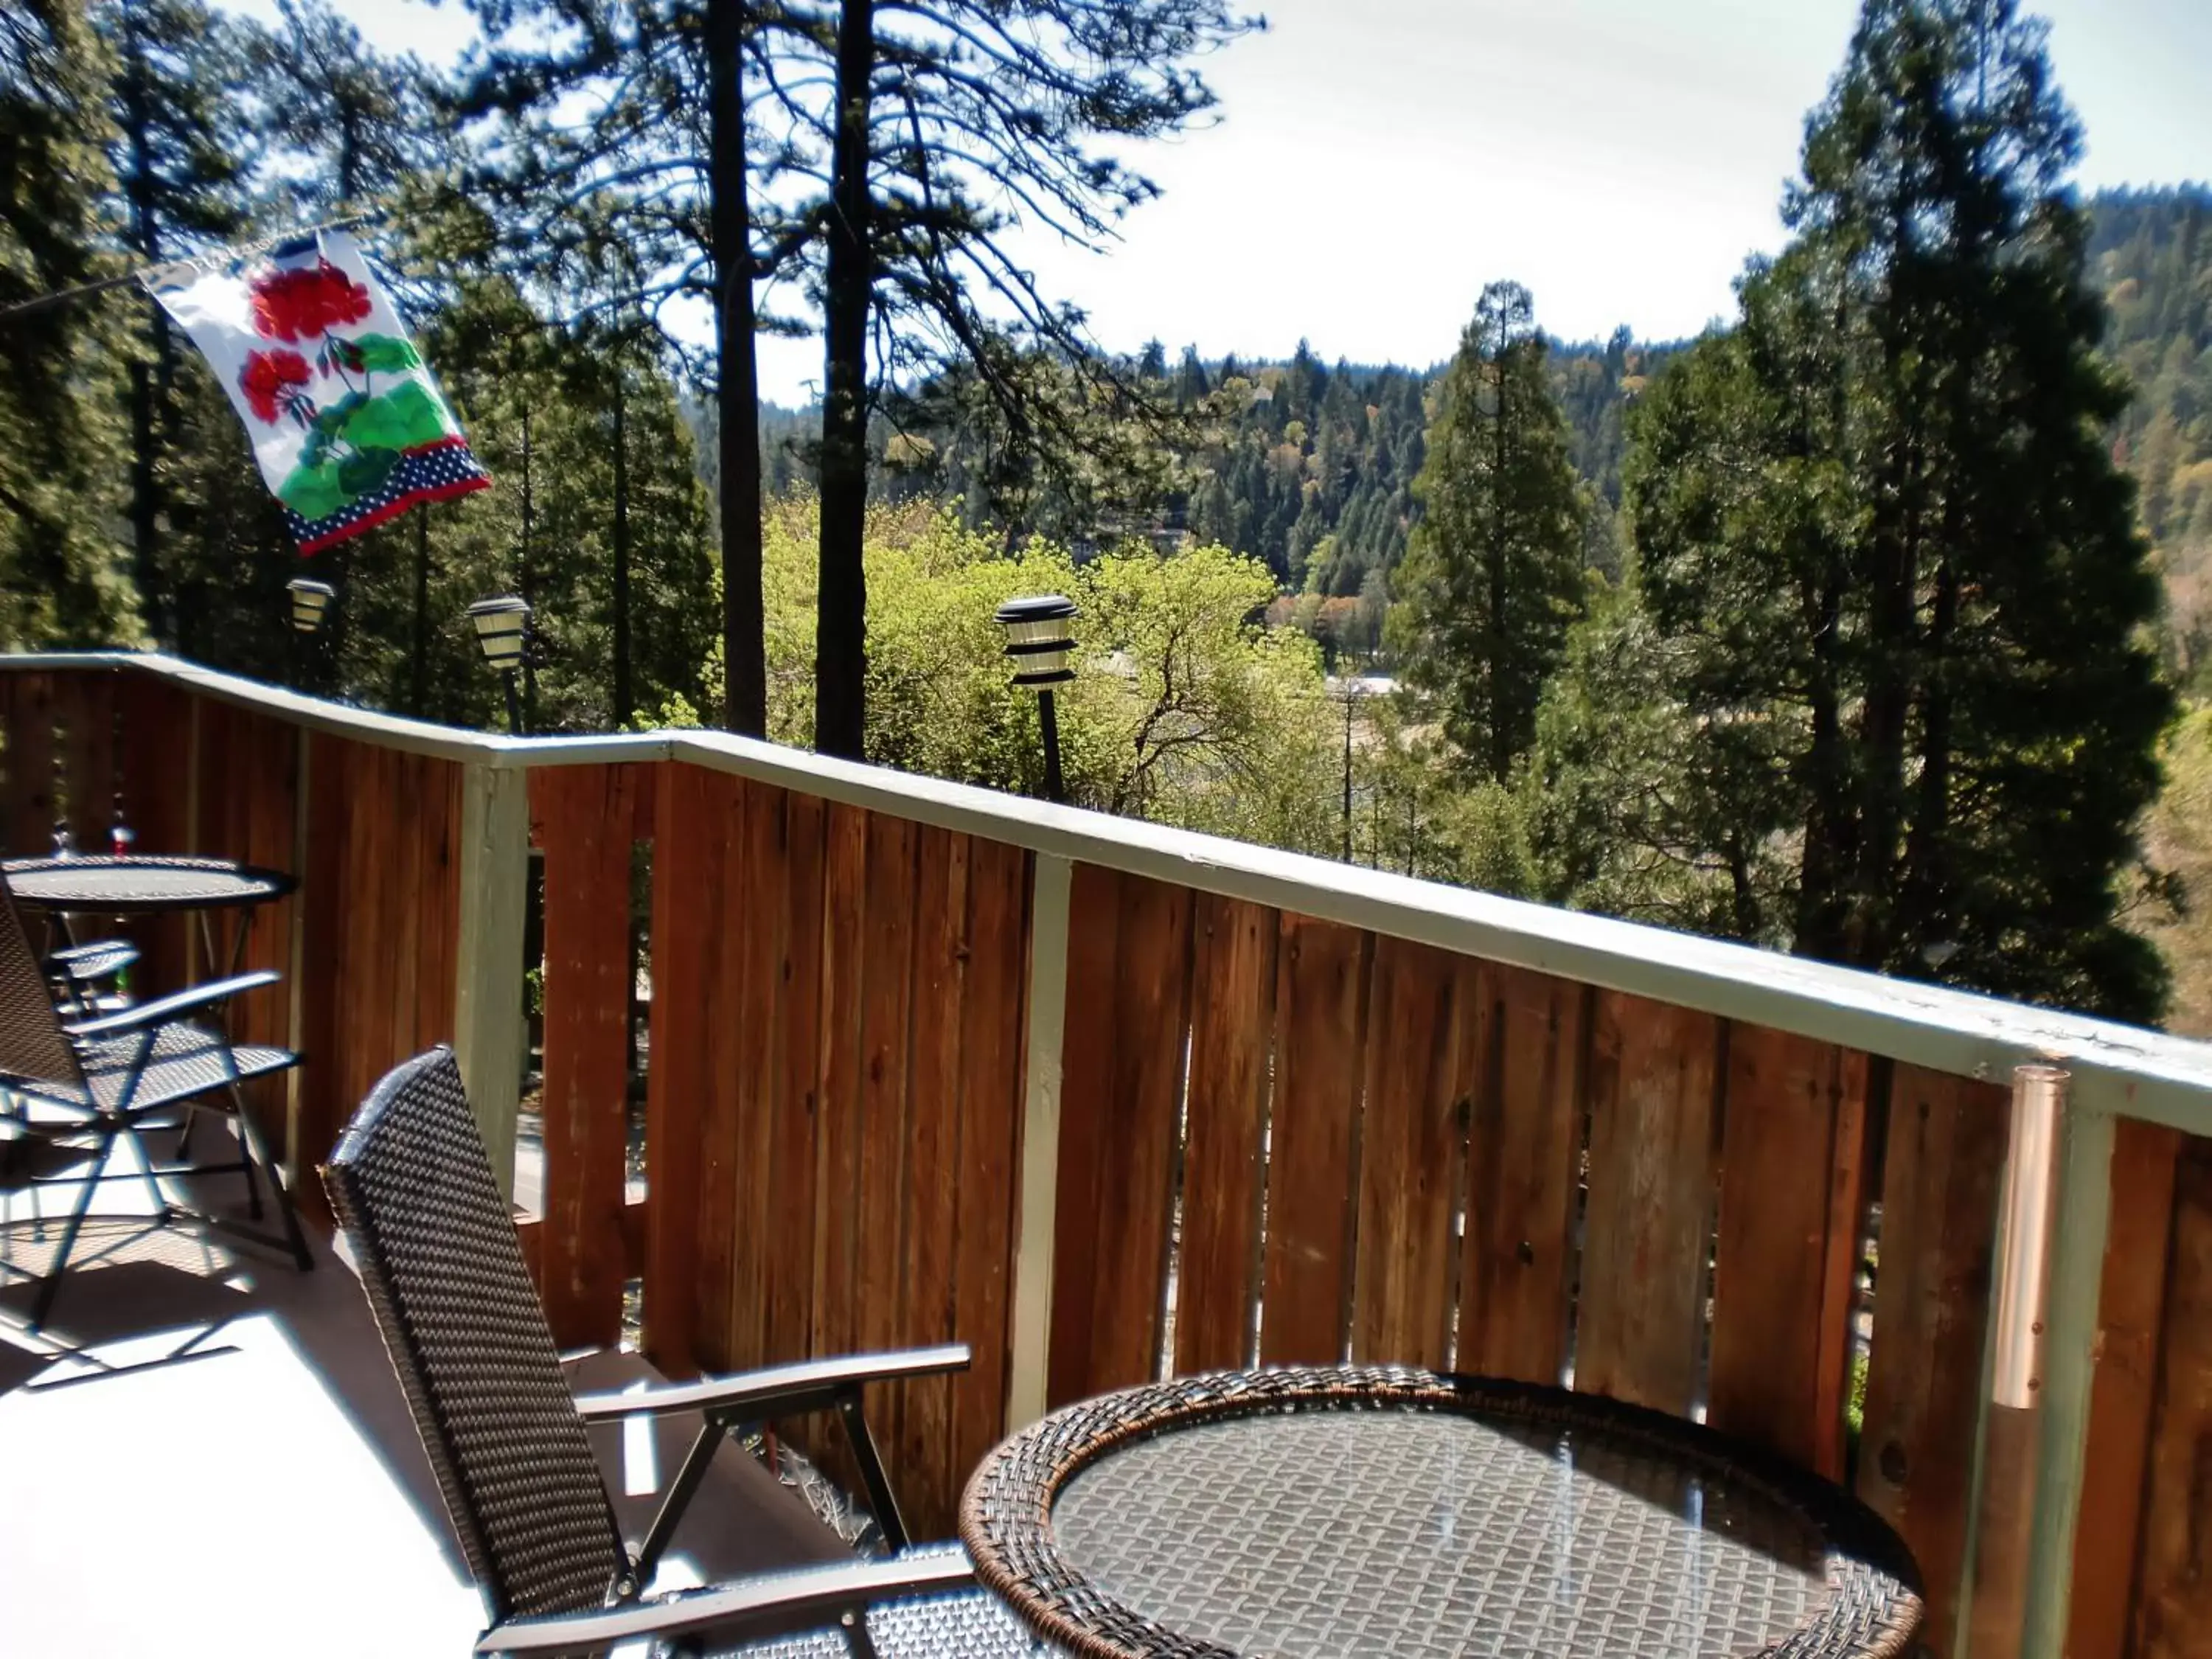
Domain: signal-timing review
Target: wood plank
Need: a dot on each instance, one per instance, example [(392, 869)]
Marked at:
[(2173, 1599), (363, 1031), (1232, 1038), (714, 1158), (1087, 1050), (1946, 1147), (154, 721), (886, 996), (85, 707), (2130, 1312), (265, 759), (1128, 1015), (686, 903), (1786, 1232), (1321, 1002), (585, 816), (326, 903), (1523, 1173), (993, 1021), (786, 1292), (1650, 1223), (761, 921), (31, 803), (929, 1295), (1152, 996), (1427, 1022), (838, 1135), (441, 903)]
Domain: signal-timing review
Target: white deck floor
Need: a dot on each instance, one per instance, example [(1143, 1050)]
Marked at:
[(206, 1452)]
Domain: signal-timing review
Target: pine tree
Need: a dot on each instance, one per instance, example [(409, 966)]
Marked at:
[(175, 153), (655, 185), (1493, 576), (1881, 529), (60, 582)]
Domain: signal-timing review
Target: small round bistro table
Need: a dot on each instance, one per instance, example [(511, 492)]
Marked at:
[(141, 885), (1311, 1514)]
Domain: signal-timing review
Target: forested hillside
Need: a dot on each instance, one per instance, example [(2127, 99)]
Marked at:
[(2151, 252)]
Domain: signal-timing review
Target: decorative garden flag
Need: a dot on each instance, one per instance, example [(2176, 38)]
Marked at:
[(346, 421)]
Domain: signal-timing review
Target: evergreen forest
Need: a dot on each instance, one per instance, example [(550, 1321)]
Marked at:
[(1875, 625)]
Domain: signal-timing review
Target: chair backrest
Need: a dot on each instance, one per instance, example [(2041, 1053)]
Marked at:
[(32, 1046), (436, 1248)]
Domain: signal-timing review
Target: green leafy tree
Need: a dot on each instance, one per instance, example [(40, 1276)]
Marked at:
[(1881, 532), (1493, 576), (1182, 711)]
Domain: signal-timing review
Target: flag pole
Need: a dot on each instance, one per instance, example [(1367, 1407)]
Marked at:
[(151, 275)]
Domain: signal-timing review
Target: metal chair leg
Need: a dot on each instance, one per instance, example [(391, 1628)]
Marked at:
[(252, 1186), (250, 1139), (52, 1286), (148, 1170)]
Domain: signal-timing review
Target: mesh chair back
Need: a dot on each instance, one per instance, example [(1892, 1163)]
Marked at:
[(32, 1046), (439, 1257)]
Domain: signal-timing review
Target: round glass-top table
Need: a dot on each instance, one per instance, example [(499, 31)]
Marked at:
[(96, 884), (1311, 1514), (149, 884)]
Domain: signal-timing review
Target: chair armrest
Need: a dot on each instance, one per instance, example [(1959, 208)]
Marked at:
[(104, 954), (161, 1012), (778, 1391), (769, 1603)]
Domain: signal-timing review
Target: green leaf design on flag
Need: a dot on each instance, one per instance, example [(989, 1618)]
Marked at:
[(382, 353), (330, 421), (314, 492), (365, 469), (398, 419)]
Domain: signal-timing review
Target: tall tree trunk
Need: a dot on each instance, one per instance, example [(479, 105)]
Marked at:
[(737, 462), (527, 574), (1926, 886), (146, 382), (622, 699), (418, 673), (1501, 735), (841, 623), (1825, 863)]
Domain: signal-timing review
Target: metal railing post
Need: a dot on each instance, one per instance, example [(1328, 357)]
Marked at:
[(1031, 1340), (489, 1026), (2071, 1342)]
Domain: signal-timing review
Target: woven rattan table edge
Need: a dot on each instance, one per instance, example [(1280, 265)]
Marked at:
[(266, 885), (1852, 1530)]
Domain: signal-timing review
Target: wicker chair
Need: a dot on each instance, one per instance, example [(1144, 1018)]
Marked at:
[(90, 1082), (436, 1248)]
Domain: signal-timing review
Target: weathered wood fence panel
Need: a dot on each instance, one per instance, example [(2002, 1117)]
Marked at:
[(834, 1107)]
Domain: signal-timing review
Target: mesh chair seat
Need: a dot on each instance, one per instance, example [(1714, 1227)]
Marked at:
[(187, 1061), (966, 1624)]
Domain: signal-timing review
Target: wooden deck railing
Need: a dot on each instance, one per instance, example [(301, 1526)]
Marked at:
[(1102, 1099)]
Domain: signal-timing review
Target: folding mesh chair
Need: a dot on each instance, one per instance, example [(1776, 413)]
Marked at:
[(443, 1269), (90, 1083)]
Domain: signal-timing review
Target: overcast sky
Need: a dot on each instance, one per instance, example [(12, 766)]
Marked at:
[(1376, 162)]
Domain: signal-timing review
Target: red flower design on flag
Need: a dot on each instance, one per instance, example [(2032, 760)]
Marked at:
[(265, 378), (302, 302)]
